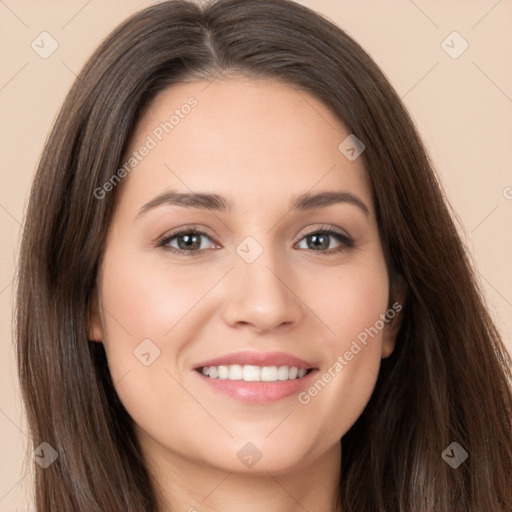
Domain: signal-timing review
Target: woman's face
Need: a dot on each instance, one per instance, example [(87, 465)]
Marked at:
[(218, 256)]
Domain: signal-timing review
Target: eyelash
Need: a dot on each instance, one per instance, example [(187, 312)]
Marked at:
[(346, 242)]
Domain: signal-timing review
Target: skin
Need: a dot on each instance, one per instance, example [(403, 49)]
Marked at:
[(258, 143)]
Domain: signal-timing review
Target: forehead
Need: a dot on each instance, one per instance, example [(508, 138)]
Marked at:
[(238, 135)]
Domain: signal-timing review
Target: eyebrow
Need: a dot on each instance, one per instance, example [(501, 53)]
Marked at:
[(216, 202)]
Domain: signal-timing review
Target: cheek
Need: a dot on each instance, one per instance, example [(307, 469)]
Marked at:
[(353, 302), (147, 327), (353, 310), (145, 309)]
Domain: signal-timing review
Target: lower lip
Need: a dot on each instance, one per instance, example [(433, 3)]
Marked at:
[(259, 392)]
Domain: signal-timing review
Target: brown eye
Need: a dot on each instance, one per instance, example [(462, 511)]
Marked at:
[(187, 242), (322, 241)]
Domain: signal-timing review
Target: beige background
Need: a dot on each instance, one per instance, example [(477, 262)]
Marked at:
[(462, 106)]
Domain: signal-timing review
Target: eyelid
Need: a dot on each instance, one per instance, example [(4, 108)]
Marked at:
[(326, 228)]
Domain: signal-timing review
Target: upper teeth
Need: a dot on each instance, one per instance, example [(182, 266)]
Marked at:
[(251, 373)]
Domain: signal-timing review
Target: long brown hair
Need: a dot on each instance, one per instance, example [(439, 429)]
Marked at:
[(449, 377)]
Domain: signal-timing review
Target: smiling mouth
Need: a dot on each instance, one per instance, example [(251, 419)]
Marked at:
[(252, 373)]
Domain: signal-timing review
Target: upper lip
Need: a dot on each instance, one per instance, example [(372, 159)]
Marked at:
[(257, 359)]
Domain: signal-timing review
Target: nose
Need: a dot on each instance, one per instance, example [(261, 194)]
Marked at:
[(263, 294)]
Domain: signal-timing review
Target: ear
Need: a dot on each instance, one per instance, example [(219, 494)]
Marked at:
[(95, 330), (394, 315)]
